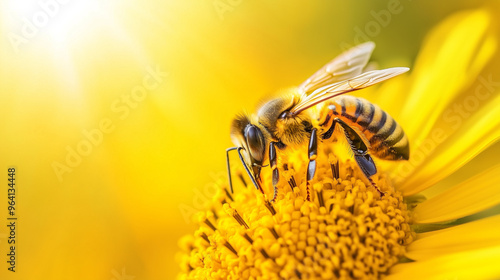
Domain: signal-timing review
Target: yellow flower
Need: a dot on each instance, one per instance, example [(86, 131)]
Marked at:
[(339, 227)]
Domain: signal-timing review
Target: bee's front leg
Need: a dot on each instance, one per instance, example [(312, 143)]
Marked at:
[(273, 161), (313, 154)]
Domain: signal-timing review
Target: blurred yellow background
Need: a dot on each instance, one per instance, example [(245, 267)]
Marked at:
[(116, 114)]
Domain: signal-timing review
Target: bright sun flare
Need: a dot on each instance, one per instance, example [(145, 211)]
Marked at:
[(59, 20)]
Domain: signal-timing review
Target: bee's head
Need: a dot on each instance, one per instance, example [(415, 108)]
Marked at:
[(251, 138)]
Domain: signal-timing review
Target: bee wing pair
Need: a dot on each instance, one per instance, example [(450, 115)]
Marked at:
[(345, 66), (342, 75)]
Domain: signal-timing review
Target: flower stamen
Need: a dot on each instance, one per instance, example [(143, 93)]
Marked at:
[(205, 237), (334, 166), (210, 225), (275, 234), (232, 212), (290, 181), (248, 238), (228, 194), (269, 206), (325, 228), (230, 247)]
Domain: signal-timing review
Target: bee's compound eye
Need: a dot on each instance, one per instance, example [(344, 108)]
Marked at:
[(255, 142)]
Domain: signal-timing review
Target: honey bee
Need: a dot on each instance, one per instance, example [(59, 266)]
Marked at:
[(285, 122)]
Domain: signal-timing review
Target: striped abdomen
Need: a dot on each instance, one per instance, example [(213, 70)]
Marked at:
[(386, 137)]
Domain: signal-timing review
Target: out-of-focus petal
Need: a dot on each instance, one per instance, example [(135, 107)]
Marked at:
[(470, 236), (475, 133), (477, 264), (451, 59), (474, 195)]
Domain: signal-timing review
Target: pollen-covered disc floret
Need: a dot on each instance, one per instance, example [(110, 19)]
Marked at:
[(335, 227)]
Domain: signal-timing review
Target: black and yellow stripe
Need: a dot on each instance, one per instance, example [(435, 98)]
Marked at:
[(386, 137)]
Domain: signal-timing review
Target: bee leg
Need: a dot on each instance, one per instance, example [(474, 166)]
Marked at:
[(229, 168), (273, 161), (329, 132), (313, 154), (257, 186), (360, 151), (366, 164)]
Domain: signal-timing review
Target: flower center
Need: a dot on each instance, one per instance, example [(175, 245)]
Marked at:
[(337, 226)]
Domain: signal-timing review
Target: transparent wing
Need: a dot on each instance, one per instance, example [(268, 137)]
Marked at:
[(359, 82), (345, 66)]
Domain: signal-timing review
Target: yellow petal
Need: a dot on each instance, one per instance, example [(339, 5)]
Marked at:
[(479, 234), (477, 264), (474, 195), (450, 152), (452, 57), (442, 72)]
